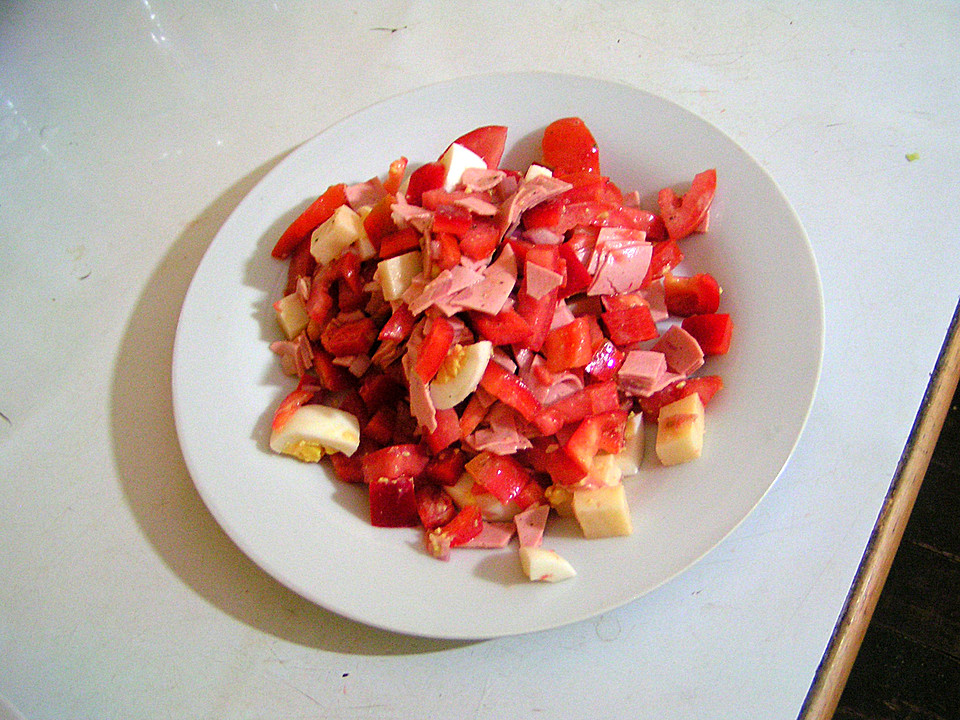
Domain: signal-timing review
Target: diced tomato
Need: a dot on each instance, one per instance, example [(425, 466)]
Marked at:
[(449, 251), (548, 457), (451, 219), (706, 386), (505, 328), (379, 221), (424, 178), (309, 220), (500, 475), (666, 256), (347, 469), (578, 278), (683, 214), (531, 494), (355, 337), (480, 239), (395, 175), (569, 147), (319, 303), (630, 325), (568, 346), (302, 264), (446, 433), (394, 461), (465, 526), (333, 377), (606, 362), (381, 424), (393, 502), (288, 406), (712, 331), (445, 467), (399, 326), (399, 242), (596, 433), (510, 389), (538, 313), (434, 506), (591, 400), (487, 142), (378, 388), (436, 345), (695, 295)]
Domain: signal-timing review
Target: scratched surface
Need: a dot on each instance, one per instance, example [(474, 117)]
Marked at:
[(128, 133)]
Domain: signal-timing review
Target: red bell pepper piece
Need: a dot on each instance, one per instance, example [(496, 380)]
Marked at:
[(505, 328), (683, 214), (510, 389), (309, 220), (399, 326), (500, 475), (424, 178), (394, 461), (434, 506), (395, 175), (706, 386), (446, 433), (713, 332), (445, 467), (399, 242), (436, 345)]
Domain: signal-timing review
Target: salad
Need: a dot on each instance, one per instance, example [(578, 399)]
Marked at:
[(479, 347)]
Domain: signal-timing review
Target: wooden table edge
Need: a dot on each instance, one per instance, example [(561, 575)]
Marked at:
[(834, 669)]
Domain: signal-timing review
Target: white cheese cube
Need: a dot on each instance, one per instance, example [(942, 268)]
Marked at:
[(395, 274), (631, 456), (604, 470), (291, 315), (602, 512), (680, 430), (456, 159), (560, 499), (341, 230), (544, 565), (365, 248)]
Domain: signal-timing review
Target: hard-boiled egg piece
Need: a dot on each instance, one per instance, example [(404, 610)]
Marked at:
[(456, 159), (460, 373), (631, 455), (314, 431), (544, 565)]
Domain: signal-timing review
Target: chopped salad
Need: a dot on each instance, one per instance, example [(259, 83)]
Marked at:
[(478, 347)]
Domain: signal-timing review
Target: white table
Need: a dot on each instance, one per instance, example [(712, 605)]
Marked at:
[(131, 130)]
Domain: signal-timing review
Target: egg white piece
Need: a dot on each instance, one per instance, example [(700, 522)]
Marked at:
[(316, 430), (456, 159)]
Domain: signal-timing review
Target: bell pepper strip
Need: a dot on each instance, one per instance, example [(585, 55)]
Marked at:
[(394, 461), (706, 386), (629, 325), (505, 328), (510, 389), (568, 346), (424, 178), (317, 213), (569, 148), (393, 502)]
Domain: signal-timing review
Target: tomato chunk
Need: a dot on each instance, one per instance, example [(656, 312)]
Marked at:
[(393, 502), (434, 506), (713, 332), (706, 386), (683, 214), (399, 242), (480, 239), (354, 337), (394, 461), (569, 148), (399, 326), (696, 295), (568, 346), (424, 178), (487, 142), (606, 362), (445, 467), (505, 328), (500, 475)]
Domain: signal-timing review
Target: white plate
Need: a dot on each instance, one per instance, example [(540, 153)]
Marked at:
[(311, 532)]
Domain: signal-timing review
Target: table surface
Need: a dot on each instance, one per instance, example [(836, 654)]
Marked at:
[(130, 130)]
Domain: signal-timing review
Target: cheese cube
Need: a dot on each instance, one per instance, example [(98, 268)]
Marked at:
[(395, 274), (602, 512), (604, 470), (341, 230), (544, 565), (560, 499), (291, 315), (680, 430)]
